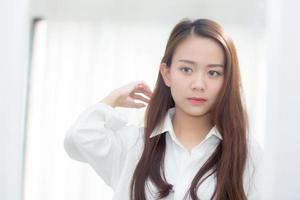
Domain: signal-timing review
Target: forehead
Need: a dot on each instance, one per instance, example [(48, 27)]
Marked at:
[(202, 50)]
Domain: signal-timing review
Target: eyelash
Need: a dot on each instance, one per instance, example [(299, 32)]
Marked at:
[(218, 73), (184, 68)]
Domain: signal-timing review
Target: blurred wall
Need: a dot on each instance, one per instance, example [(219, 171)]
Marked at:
[(14, 39), (282, 140)]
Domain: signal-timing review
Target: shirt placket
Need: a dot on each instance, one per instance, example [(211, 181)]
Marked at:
[(184, 175)]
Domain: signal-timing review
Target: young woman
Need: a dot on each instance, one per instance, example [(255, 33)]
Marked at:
[(194, 143)]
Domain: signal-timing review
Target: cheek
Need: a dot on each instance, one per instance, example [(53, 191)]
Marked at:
[(178, 88), (177, 81), (216, 87)]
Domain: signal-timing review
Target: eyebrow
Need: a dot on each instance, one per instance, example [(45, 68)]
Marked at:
[(193, 63)]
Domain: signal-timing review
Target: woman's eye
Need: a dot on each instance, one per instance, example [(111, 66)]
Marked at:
[(214, 73), (185, 69)]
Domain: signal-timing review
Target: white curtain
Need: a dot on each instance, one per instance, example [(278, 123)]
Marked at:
[(75, 64)]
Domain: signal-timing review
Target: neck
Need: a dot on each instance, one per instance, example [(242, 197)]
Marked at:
[(191, 129)]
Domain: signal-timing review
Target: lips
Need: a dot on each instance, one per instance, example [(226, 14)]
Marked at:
[(197, 98)]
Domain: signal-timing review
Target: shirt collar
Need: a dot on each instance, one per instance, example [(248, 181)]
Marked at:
[(167, 126)]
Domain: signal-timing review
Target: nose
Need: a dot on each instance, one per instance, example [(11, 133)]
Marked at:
[(198, 83)]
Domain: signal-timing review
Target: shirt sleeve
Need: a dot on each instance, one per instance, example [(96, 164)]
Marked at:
[(253, 172), (101, 137)]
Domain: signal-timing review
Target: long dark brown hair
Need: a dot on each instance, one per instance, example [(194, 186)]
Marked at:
[(229, 115)]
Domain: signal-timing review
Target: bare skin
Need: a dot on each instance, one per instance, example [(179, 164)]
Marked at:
[(126, 95), (196, 70), (186, 134)]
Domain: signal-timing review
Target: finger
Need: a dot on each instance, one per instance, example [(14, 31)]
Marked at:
[(135, 105), (148, 91), (144, 89), (140, 105), (140, 97), (147, 87)]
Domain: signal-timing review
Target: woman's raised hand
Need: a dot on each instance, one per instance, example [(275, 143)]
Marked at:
[(126, 95)]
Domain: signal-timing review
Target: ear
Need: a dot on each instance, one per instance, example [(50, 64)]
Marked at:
[(165, 72)]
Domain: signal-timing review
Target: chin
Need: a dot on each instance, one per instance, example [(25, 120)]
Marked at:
[(197, 112)]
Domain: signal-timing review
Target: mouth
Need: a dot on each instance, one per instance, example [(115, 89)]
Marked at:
[(196, 100)]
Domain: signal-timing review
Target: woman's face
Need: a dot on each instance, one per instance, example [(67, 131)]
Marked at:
[(197, 70)]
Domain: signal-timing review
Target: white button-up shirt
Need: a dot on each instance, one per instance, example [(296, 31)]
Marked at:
[(102, 138)]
